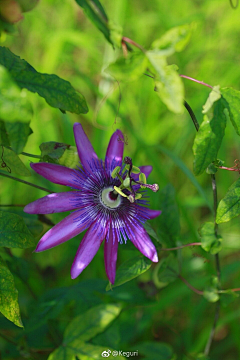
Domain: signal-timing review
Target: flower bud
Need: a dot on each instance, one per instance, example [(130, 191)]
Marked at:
[(10, 11), (70, 158), (27, 5)]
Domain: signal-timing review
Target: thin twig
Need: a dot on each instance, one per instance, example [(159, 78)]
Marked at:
[(199, 292), (26, 182), (182, 246), (191, 113), (197, 81), (130, 41)]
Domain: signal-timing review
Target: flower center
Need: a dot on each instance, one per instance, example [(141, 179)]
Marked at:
[(109, 199)]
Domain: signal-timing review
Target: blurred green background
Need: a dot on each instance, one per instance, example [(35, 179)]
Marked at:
[(57, 38)]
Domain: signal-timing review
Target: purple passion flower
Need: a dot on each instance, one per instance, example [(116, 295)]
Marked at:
[(96, 205)]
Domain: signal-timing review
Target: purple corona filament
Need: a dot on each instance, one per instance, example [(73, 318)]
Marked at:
[(95, 206)]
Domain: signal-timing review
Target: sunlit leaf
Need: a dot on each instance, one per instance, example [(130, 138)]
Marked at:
[(229, 206), (168, 221), (168, 84), (9, 295), (128, 69), (209, 137), (209, 240), (18, 133), (14, 232), (13, 162), (130, 269), (232, 98), (214, 95), (14, 105), (92, 322), (57, 92), (173, 40)]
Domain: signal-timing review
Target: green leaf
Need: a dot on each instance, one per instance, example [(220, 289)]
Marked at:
[(156, 350), (209, 137), (211, 294), (9, 296), (166, 271), (151, 232), (173, 40), (57, 92), (51, 151), (14, 105), (14, 232), (129, 69), (210, 242), (168, 221), (214, 95), (232, 99), (96, 13), (168, 83), (130, 269), (229, 206), (18, 133), (92, 322), (3, 134), (13, 162), (83, 351)]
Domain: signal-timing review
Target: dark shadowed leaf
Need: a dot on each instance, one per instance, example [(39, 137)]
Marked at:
[(13, 162), (166, 271), (209, 137), (3, 134), (14, 232), (57, 92), (232, 98), (9, 296), (92, 322), (156, 350), (229, 206), (168, 221), (130, 269), (209, 240), (18, 133)]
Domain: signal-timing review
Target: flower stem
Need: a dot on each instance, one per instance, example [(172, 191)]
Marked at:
[(182, 246), (215, 203), (191, 113), (197, 81), (199, 292), (130, 41), (26, 182), (26, 154)]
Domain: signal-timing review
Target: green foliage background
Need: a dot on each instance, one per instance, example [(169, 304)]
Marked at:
[(57, 38)]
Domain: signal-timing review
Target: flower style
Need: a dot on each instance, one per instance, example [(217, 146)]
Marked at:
[(100, 202)]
